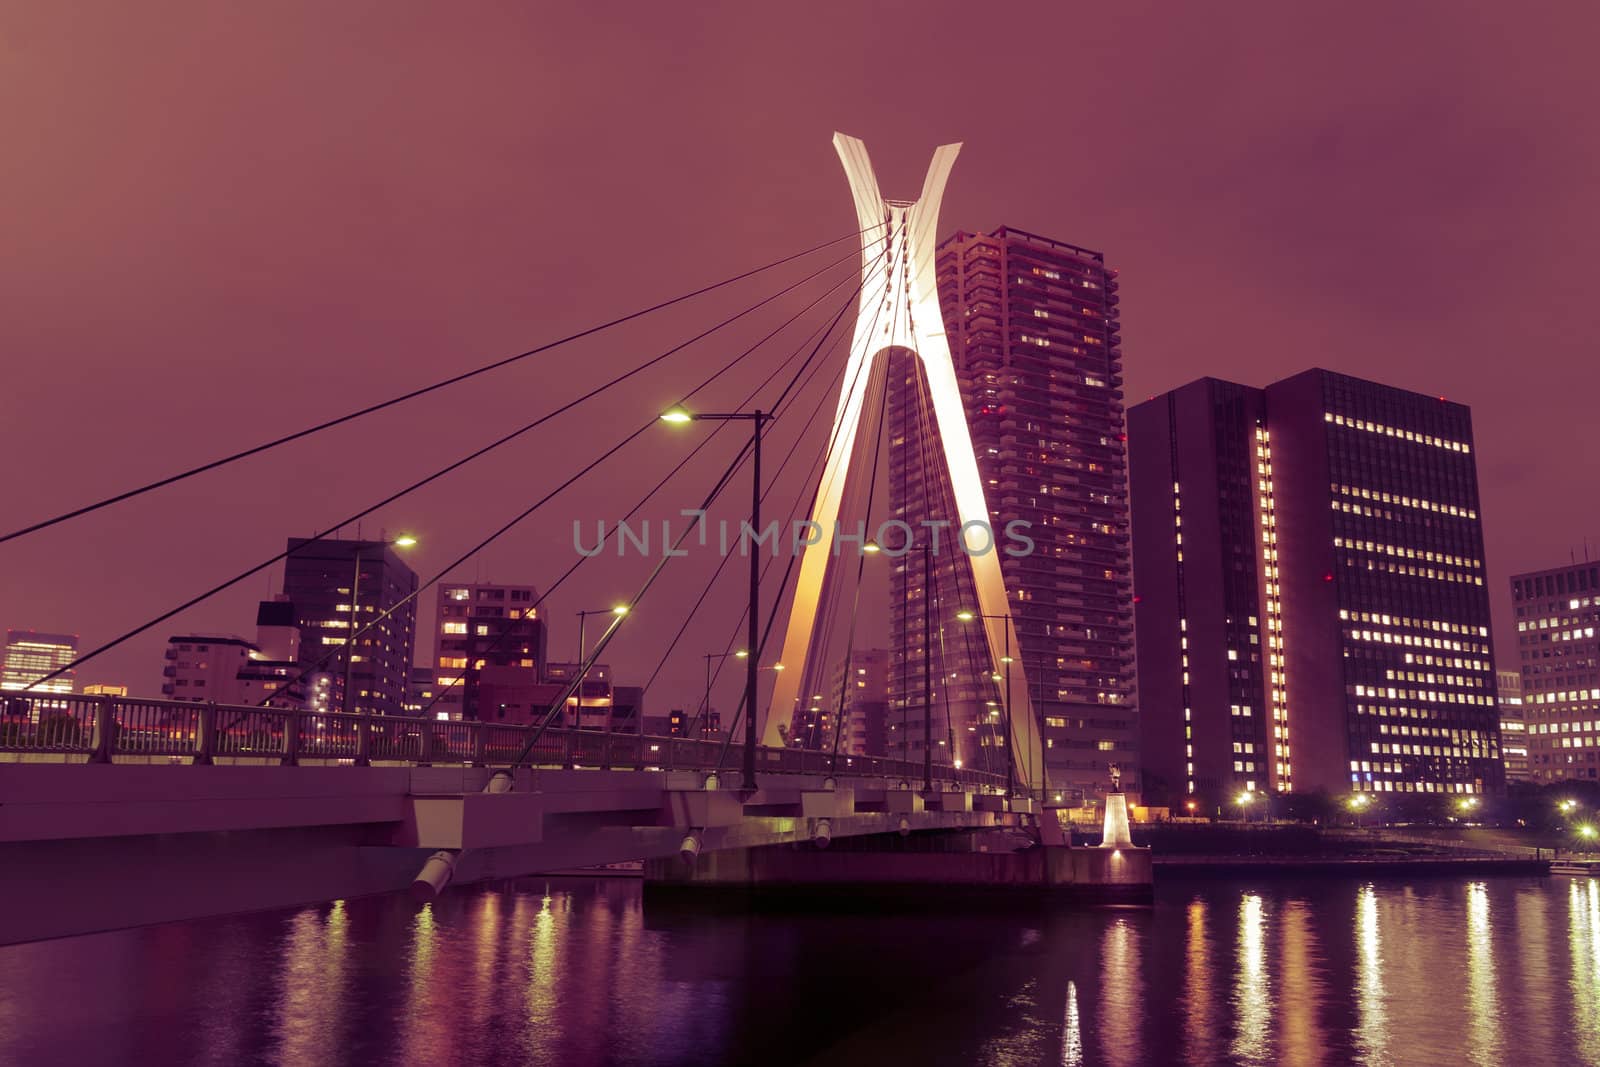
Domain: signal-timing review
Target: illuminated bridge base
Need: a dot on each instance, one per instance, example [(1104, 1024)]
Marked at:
[(924, 872)]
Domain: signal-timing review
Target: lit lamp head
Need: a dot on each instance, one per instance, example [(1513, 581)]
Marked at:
[(620, 610), (1244, 799), (743, 653), (676, 413), (403, 541), (871, 547), (965, 616)]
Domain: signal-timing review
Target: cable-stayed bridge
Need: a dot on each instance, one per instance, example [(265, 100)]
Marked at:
[(81, 766)]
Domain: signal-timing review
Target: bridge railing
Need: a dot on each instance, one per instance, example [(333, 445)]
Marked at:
[(100, 729)]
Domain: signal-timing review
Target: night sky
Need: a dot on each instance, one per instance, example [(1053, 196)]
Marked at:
[(225, 221)]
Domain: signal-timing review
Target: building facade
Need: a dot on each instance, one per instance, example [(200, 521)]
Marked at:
[(1558, 653), (205, 667), (1311, 606), (338, 588), (1033, 327), (1513, 725), (480, 625), (31, 655)]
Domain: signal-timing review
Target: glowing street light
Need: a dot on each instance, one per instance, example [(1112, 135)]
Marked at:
[(757, 420), (1587, 832), (1567, 805), (1467, 803)]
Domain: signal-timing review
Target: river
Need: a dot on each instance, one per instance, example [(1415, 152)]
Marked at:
[(573, 972)]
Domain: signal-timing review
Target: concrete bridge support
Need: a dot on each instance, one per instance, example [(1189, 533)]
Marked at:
[(904, 874)]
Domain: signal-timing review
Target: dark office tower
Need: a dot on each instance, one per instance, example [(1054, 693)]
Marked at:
[(1359, 648), (1207, 622), (1558, 612), (1033, 331), (324, 580)]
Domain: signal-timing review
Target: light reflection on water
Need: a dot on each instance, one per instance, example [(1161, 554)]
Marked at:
[(575, 972)]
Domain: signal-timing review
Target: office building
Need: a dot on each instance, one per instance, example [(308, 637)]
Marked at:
[(1513, 725), (105, 689), (31, 655), (1558, 653), (1311, 608), (1033, 330), (481, 625), (338, 587)]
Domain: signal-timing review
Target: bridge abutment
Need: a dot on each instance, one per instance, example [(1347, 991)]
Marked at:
[(904, 874)]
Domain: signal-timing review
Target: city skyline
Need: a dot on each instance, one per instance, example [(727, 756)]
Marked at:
[(1292, 253)]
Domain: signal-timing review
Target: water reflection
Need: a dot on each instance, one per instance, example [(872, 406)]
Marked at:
[(1299, 1006), (1432, 972), (1372, 1031), (1583, 926), (1072, 1032), (1122, 1003), (1201, 1027), (1485, 1032), (311, 981), (1251, 1006)]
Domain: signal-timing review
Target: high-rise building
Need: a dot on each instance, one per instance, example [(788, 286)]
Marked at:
[(480, 625), (1310, 587), (1558, 612), (1033, 331), (323, 579), (31, 655), (1513, 725), (865, 692)]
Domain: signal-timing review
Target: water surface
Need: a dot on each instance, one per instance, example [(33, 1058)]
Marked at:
[(572, 972)]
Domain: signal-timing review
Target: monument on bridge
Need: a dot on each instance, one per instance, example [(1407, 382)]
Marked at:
[(899, 309)]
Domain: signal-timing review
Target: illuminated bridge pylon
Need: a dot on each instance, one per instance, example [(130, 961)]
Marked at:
[(899, 308)]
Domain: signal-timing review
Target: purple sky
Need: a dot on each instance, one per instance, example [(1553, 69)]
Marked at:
[(226, 221)]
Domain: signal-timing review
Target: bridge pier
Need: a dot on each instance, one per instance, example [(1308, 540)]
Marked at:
[(904, 874)]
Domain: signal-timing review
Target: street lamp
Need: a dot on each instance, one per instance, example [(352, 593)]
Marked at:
[(757, 420), (1244, 801), (403, 541), (705, 709), (969, 616), (1358, 803), (1567, 806), (577, 716)]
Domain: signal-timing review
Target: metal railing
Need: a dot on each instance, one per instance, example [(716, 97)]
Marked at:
[(101, 729)]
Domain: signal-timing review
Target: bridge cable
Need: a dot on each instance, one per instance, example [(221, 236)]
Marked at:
[(704, 442), (835, 440), (441, 472), (610, 631), (348, 648), (413, 394)]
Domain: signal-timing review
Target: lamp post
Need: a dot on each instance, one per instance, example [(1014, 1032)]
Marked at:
[(757, 420), (583, 668), (705, 709), (969, 616), (403, 541)]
